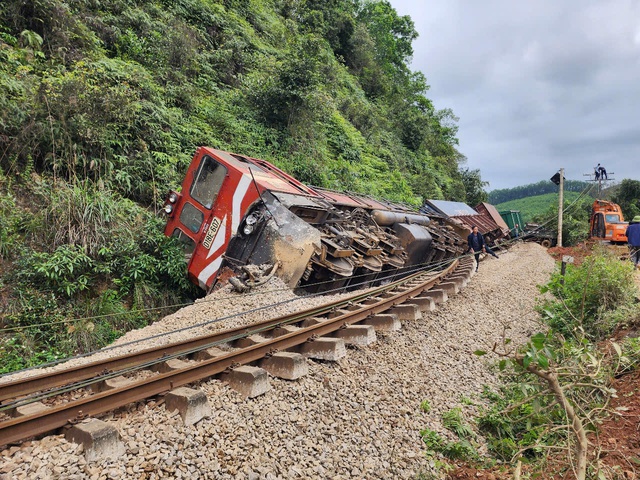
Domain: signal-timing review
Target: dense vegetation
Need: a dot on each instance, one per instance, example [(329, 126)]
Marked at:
[(542, 187), (102, 105), (525, 419), (627, 195)]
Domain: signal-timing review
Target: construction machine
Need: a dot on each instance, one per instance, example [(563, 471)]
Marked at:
[(607, 222)]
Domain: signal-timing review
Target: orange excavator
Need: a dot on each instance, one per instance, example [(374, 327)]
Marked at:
[(607, 222)]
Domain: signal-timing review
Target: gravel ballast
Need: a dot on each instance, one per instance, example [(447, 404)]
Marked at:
[(356, 418)]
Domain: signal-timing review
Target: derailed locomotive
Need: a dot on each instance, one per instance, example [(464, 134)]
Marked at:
[(235, 211)]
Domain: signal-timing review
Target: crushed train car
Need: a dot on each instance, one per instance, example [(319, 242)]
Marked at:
[(236, 212), (484, 216)]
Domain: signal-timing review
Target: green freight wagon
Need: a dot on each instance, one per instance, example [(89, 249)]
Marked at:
[(513, 218)]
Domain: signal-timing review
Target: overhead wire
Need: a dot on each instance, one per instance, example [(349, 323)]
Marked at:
[(566, 209)]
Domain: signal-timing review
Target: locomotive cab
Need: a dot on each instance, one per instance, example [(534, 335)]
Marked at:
[(224, 216)]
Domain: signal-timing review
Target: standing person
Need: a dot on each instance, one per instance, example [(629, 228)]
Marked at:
[(633, 239), (476, 242), (515, 231), (596, 171), (603, 172)]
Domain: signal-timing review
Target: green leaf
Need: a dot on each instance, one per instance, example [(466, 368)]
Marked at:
[(538, 340), (543, 361), (479, 352), (536, 405), (502, 365)]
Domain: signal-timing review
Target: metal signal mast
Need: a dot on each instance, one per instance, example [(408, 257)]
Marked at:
[(597, 176)]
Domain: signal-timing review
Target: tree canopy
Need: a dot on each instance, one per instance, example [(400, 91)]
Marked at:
[(540, 188), (123, 93), (627, 195)]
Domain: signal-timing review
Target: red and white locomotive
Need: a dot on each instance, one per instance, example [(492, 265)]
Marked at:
[(235, 211)]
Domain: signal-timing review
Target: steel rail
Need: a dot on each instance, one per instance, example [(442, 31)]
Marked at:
[(46, 381), (36, 424)]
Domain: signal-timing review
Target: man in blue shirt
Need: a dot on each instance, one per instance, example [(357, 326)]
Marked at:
[(633, 239)]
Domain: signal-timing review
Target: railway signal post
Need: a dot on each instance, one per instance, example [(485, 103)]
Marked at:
[(558, 179), (598, 178)]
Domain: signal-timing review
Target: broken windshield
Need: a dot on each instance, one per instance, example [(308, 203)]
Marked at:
[(207, 182)]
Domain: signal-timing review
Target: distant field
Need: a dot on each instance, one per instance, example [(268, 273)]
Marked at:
[(538, 205)]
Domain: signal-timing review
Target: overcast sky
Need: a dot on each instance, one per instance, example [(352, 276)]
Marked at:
[(537, 84)]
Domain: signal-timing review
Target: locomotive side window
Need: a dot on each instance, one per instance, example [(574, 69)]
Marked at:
[(191, 217), (189, 244), (207, 181)]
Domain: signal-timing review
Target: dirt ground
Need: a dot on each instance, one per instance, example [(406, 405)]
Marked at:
[(619, 437), (580, 251), (618, 440)]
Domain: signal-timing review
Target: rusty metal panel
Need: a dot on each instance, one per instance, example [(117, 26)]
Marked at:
[(350, 199), (488, 209), (484, 223)]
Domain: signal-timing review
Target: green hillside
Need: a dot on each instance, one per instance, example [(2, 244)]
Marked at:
[(536, 206)]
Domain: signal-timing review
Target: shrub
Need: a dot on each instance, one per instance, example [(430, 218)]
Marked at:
[(587, 295), (462, 449), (517, 420), (9, 225)]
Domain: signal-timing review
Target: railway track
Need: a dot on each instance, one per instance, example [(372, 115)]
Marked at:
[(233, 349)]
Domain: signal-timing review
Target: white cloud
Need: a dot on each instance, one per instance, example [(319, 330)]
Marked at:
[(537, 85)]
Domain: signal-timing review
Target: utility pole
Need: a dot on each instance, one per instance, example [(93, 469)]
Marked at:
[(599, 179), (560, 206)]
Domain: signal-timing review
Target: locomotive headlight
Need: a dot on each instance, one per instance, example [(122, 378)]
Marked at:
[(248, 229), (173, 197), (168, 209), (251, 219)]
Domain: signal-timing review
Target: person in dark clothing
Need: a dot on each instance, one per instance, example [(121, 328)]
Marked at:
[(633, 239), (476, 242), (602, 172)]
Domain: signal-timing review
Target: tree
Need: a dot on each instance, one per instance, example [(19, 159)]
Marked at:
[(628, 197), (473, 186), (393, 35)]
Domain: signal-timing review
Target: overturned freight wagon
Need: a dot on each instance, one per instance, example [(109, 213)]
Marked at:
[(514, 222), (236, 212), (484, 216)]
